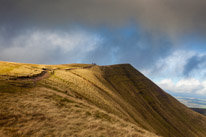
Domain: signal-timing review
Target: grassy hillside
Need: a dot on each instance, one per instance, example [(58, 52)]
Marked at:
[(89, 100)]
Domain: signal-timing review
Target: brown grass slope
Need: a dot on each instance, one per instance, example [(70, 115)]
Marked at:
[(89, 100)]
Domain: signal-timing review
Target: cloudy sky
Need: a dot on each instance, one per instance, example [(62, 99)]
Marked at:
[(164, 39)]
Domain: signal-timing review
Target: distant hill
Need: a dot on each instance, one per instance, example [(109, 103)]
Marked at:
[(200, 110), (89, 100), (193, 102)]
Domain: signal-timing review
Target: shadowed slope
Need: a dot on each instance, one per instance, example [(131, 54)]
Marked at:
[(160, 111), (83, 99)]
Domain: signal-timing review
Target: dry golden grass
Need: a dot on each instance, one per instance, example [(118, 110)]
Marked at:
[(43, 112), (89, 100), (19, 69)]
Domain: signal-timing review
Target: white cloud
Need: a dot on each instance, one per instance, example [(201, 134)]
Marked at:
[(168, 73), (171, 66), (41, 46), (203, 90), (166, 84), (190, 85), (174, 64)]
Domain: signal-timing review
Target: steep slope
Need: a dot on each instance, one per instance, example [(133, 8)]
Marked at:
[(89, 100)]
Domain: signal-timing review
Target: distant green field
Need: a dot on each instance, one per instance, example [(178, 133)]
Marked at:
[(193, 102)]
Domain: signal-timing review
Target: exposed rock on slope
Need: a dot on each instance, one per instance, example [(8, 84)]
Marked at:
[(89, 100)]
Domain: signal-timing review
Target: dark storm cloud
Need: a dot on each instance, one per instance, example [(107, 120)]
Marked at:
[(141, 48), (168, 16)]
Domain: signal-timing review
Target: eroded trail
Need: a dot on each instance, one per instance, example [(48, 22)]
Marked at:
[(46, 73), (36, 77)]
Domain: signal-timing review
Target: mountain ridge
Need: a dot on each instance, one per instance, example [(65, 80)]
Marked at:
[(115, 95)]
